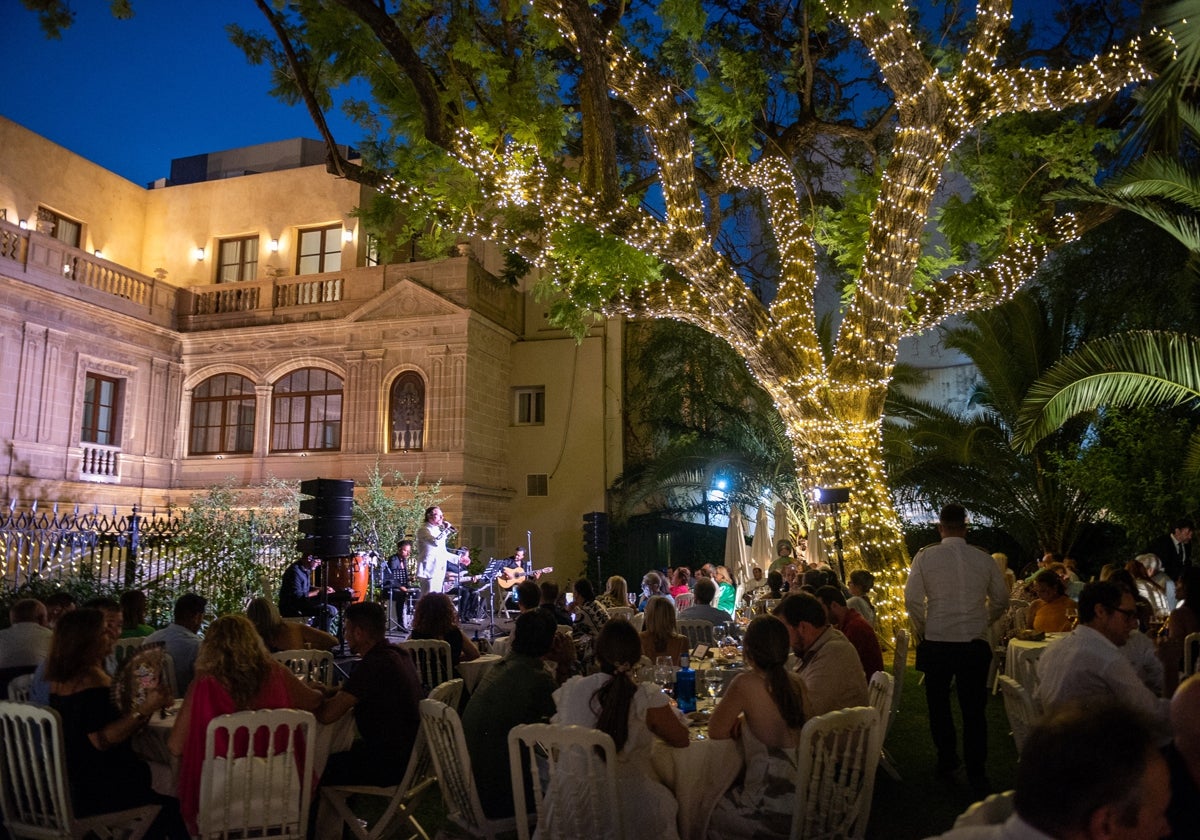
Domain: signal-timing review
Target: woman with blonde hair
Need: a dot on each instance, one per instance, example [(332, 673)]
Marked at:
[(234, 673), (616, 593), (279, 635), (658, 635), (764, 709), (726, 590)]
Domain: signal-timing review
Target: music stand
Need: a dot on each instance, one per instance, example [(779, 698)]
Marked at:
[(489, 575)]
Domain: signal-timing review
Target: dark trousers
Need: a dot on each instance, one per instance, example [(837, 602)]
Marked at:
[(965, 664)]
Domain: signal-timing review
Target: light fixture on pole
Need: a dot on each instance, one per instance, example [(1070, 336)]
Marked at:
[(834, 496)]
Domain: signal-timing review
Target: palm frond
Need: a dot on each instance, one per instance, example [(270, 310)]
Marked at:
[(1183, 225), (1129, 369)]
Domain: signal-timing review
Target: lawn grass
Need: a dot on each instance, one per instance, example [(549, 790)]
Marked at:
[(920, 805)]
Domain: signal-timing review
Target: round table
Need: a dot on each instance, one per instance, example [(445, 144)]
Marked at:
[(698, 775)]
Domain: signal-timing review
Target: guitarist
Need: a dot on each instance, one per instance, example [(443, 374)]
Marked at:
[(516, 568)]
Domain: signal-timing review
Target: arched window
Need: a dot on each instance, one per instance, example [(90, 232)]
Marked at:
[(222, 416), (407, 412), (306, 411)]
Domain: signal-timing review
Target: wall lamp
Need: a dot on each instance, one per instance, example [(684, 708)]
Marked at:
[(199, 254), (347, 235), (273, 246)]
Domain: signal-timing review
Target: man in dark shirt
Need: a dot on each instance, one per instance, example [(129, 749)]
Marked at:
[(384, 691), (516, 690), (298, 596), (396, 580), (548, 590)]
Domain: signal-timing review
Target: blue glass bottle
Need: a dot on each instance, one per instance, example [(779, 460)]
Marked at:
[(685, 686)]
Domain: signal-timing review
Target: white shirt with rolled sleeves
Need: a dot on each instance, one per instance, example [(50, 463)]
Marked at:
[(954, 592)]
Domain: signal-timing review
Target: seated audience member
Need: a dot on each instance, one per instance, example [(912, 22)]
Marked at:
[(726, 590), (1120, 576), (1010, 578), (633, 714), (681, 581), (234, 673), (830, 669), (384, 692), (763, 708), (854, 627), (658, 636), (860, 585), (1183, 760), (1159, 578), (279, 635), (1056, 800), (756, 581), (616, 593), (57, 604), (1152, 589), (590, 616), (180, 637), (514, 691), (1184, 620), (652, 585), (103, 772), (791, 578), (783, 556), (133, 615), (548, 601), (26, 642), (434, 618), (703, 609), (1048, 612), (1087, 663), (114, 618), (774, 589)]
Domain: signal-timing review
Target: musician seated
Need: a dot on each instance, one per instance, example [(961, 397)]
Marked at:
[(396, 582), (299, 597), (463, 595)]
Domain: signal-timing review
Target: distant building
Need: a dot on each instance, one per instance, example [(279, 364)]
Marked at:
[(233, 321)]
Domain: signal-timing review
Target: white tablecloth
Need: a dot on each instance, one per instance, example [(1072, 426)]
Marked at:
[(151, 744), (473, 671), (1019, 652), (698, 775)]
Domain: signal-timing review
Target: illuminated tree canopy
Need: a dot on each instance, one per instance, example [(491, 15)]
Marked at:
[(710, 160)]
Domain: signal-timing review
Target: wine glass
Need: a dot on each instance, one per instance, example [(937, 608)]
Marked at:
[(1072, 614), (716, 685), (664, 673)]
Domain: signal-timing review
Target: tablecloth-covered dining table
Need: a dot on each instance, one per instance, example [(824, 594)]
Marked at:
[(1020, 651), (151, 744), (698, 775)]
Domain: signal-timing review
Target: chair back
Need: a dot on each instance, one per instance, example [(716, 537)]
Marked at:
[(432, 658), (839, 753), (994, 810), (684, 600), (448, 747), (448, 692), (35, 799), (255, 779), (879, 697), (1020, 708), (1018, 614), (314, 667), (125, 648), (697, 631), (626, 613), (899, 669), (579, 768), (1027, 675), (19, 688), (1191, 653)]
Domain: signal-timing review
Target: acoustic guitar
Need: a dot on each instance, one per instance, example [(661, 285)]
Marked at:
[(508, 578)]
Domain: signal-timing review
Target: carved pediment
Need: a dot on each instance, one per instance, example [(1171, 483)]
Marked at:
[(407, 299)]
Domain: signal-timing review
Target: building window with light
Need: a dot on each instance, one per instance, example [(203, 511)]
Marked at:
[(237, 259), (101, 410), (406, 414), (306, 411), (223, 409), (320, 250), (529, 406), (60, 227)]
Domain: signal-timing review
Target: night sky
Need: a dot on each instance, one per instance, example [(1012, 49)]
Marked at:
[(131, 95)]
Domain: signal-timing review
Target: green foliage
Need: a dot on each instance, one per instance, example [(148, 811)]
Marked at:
[(233, 544), (381, 518)]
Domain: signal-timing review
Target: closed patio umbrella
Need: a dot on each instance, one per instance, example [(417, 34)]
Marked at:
[(762, 547), (736, 558)]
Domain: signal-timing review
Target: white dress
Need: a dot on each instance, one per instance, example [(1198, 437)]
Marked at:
[(651, 808)]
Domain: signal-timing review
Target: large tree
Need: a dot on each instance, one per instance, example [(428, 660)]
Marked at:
[(649, 158)]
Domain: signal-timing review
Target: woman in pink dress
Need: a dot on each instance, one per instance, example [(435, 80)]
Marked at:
[(234, 673)]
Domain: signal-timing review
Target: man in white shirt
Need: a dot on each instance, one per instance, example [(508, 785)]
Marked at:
[(26, 643), (954, 593), (181, 637), (431, 551), (1087, 772), (1088, 663)]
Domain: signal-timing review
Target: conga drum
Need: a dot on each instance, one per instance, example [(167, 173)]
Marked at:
[(339, 572), (360, 577)]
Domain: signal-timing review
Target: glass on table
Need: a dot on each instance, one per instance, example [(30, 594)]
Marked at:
[(664, 673)]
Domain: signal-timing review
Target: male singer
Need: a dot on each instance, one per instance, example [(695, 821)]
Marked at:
[(431, 551)]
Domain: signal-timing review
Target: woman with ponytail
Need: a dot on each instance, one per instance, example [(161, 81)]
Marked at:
[(764, 709), (632, 713)]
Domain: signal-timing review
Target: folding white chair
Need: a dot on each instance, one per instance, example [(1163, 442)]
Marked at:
[(684, 600), (899, 668), (452, 763), (626, 613), (1020, 708), (579, 768), (310, 666), (253, 782), (839, 753), (402, 798), (697, 631), (19, 688), (35, 801), (432, 658)]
